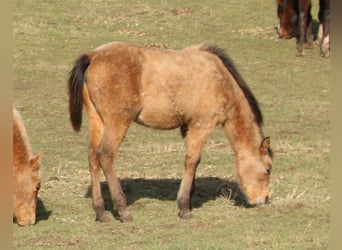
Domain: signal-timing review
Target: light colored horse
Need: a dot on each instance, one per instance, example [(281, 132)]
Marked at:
[(194, 89)]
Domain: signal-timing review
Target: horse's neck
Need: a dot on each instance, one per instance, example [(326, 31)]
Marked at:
[(242, 130)]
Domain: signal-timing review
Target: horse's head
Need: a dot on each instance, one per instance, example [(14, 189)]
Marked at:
[(254, 174), (288, 19), (26, 184)]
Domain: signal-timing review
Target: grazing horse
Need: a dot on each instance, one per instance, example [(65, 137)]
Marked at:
[(295, 20), (324, 27), (194, 89), (26, 175)]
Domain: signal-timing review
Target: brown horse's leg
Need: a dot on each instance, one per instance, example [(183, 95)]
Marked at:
[(300, 39), (195, 139), (112, 138), (96, 132), (98, 202), (309, 36)]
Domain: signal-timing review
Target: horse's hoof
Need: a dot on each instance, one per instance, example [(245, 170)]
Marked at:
[(325, 52), (125, 217), (185, 215), (102, 218)]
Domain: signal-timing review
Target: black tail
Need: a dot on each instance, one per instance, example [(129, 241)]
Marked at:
[(75, 87), (228, 63)]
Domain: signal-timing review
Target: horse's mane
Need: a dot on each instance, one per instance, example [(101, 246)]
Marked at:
[(282, 5), (228, 63), (20, 139)]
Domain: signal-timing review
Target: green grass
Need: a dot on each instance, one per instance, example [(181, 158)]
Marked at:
[(293, 93)]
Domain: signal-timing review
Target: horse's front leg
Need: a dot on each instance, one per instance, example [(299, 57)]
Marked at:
[(187, 185), (195, 140), (301, 35)]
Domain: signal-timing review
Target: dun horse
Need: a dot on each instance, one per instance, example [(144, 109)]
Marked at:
[(194, 89), (26, 175)]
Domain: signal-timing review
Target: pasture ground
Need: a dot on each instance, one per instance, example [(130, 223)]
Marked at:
[(293, 93)]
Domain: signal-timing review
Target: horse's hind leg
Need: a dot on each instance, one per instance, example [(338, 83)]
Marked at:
[(96, 133), (196, 137), (111, 140), (98, 202)]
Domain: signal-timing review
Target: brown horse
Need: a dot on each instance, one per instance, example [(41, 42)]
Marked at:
[(295, 20), (26, 175), (194, 89)]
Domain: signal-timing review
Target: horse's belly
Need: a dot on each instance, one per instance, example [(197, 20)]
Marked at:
[(156, 117)]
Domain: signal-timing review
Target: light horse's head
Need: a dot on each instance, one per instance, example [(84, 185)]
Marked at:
[(26, 184), (253, 171), (243, 128)]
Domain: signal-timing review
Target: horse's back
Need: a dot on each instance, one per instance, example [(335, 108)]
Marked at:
[(159, 88), (188, 84)]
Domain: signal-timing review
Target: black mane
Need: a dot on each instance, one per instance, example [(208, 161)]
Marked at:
[(228, 63)]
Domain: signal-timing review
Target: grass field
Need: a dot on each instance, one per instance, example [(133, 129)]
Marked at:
[(293, 93)]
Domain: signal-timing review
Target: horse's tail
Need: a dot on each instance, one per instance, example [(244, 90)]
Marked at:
[(76, 80)]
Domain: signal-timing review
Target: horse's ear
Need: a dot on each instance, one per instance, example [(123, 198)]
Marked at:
[(35, 161), (265, 145)]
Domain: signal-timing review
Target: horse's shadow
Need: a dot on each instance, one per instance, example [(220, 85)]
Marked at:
[(206, 189), (42, 213)]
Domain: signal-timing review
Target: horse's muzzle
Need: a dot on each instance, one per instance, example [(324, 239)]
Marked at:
[(282, 33)]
